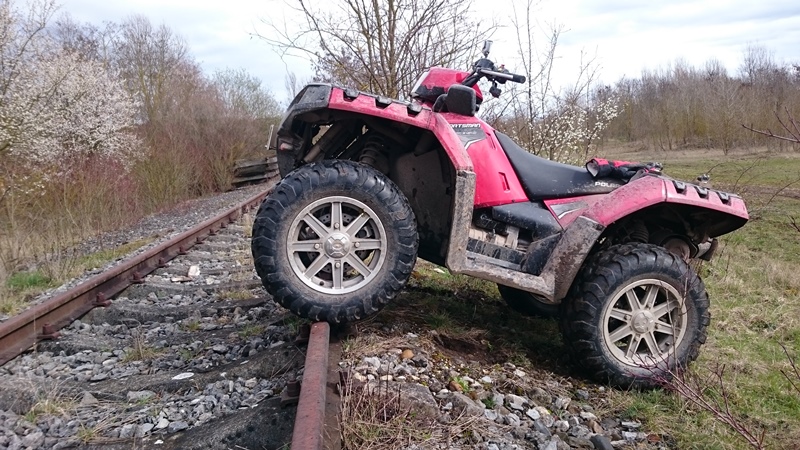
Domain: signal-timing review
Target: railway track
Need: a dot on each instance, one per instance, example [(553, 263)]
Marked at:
[(178, 347)]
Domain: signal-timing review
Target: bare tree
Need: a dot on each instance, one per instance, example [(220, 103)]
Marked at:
[(146, 58), (381, 46), (544, 115), (244, 95)]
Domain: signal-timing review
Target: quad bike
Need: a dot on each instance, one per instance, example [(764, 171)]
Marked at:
[(370, 183)]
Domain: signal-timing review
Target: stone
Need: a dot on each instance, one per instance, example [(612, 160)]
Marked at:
[(220, 348), (251, 383), (561, 426), (629, 435), (512, 420), (455, 386), (533, 414), (498, 398), (88, 399), (143, 429), (580, 443), (140, 396), (601, 442), (540, 427), (99, 377), (420, 361), (407, 354), (486, 380), (582, 394), (515, 402), (412, 395), (162, 423), (551, 445), (561, 403), (519, 373), (127, 431), (373, 362), (490, 414), (585, 415), (630, 425), (466, 406), (33, 440), (359, 378), (177, 426)]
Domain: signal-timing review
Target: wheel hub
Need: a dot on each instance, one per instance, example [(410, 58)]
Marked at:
[(337, 245), (643, 322)]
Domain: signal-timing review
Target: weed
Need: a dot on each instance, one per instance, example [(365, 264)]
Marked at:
[(376, 416), (190, 325), (251, 330), (465, 387), (87, 434), (235, 295), (439, 320), (140, 350), (22, 281), (294, 323)]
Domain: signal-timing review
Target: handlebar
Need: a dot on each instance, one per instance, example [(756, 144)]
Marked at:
[(503, 75)]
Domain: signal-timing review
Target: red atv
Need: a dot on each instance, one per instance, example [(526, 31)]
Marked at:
[(370, 183)]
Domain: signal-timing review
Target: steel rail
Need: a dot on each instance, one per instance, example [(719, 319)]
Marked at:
[(42, 321), (309, 422)]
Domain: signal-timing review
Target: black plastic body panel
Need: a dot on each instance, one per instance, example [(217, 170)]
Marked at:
[(290, 134), (533, 216)]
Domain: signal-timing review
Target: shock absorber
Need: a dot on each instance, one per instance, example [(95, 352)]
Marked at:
[(374, 153)]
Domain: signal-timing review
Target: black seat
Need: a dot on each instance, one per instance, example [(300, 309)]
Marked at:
[(544, 179)]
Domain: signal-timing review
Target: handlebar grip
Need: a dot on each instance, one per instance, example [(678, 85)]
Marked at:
[(504, 75)]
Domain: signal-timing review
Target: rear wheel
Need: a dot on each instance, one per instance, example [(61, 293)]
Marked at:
[(527, 303), (335, 241), (635, 314)]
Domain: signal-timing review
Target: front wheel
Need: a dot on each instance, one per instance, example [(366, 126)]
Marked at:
[(635, 315), (335, 241)]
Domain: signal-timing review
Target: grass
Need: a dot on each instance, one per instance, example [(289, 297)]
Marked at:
[(251, 330), (140, 349), (375, 416), (22, 286)]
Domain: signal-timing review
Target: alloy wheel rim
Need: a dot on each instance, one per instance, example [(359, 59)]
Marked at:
[(336, 245), (644, 323)]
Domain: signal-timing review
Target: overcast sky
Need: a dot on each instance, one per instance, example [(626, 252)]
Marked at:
[(626, 36)]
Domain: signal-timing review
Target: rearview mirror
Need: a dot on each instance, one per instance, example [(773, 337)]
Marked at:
[(487, 47)]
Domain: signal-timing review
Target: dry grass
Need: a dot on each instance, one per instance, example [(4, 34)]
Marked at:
[(375, 416), (140, 349), (53, 269)]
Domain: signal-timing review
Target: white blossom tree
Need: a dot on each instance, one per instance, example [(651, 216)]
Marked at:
[(56, 107)]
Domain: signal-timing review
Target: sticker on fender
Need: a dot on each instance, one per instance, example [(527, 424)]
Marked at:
[(469, 133)]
